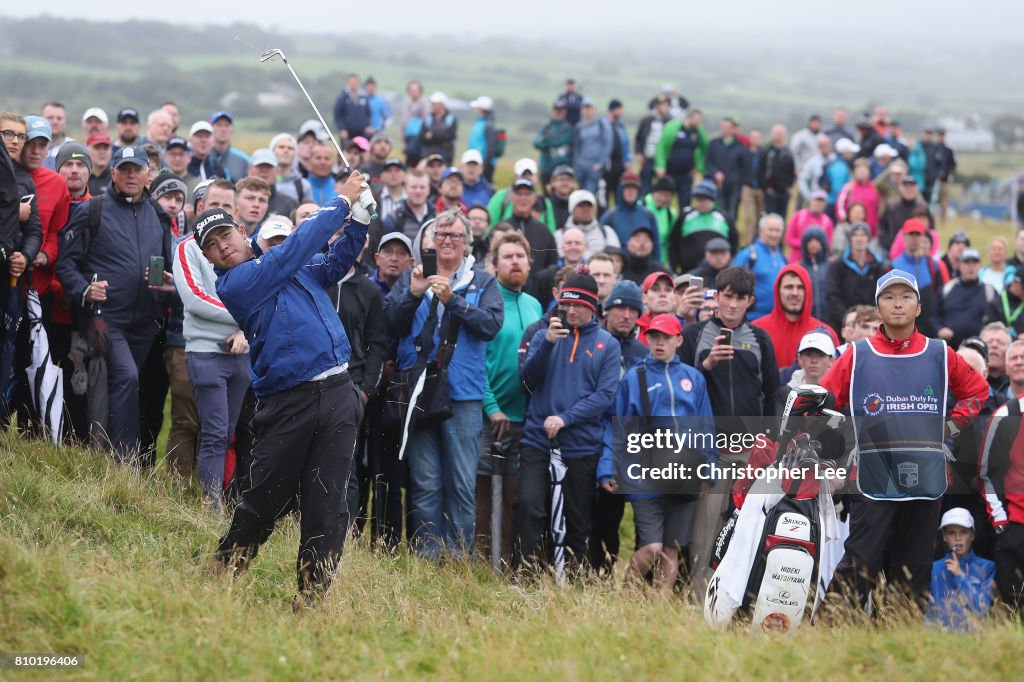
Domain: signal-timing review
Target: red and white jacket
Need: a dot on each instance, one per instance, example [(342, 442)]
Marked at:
[(207, 323), (1001, 467)]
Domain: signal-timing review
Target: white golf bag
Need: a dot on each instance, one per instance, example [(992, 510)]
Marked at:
[(770, 568)]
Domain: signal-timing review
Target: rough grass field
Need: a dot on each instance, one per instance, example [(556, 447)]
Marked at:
[(108, 564)]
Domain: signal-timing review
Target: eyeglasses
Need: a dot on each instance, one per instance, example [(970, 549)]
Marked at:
[(453, 236), (11, 136)]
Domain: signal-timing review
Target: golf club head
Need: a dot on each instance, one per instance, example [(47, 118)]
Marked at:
[(270, 54), (804, 400)]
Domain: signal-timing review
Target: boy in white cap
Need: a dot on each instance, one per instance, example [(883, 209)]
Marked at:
[(962, 583)]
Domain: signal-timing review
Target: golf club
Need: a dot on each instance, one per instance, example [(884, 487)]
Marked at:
[(270, 54)]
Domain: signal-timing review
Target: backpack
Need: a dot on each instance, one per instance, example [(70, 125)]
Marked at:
[(500, 142), (96, 214)]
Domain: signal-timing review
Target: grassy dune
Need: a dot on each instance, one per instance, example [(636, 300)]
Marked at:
[(106, 563)]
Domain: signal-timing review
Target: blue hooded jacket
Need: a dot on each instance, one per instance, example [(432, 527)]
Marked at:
[(675, 390), (625, 218), (575, 379), (956, 598), (279, 300)]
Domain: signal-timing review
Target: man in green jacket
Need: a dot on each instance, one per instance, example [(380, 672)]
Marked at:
[(659, 202), (500, 206), (504, 398), (680, 153)]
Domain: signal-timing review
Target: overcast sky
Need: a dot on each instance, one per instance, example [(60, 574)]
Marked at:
[(920, 20)]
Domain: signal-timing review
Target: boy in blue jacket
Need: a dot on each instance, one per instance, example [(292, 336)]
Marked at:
[(664, 522), (308, 412), (962, 583), (570, 374)]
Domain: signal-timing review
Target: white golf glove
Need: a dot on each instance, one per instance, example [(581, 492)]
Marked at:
[(365, 208)]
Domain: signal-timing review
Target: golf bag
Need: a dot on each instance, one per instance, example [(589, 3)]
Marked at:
[(766, 556)]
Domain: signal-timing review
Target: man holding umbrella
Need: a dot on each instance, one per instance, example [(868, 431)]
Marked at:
[(308, 411), (571, 372)]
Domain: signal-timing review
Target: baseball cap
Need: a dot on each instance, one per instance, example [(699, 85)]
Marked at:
[(717, 244), (819, 194), (76, 150), (125, 155), (652, 278), (968, 254), (128, 112), (38, 127), (894, 277), (263, 157), (276, 226), (666, 324), (98, 138), (434, 157), (210, 220), (200, 127), (587, 102), (482, 102), (177, 141), (450, 171), (95, 112), (472, 156), (885, 150), (960, 237), (560, 103), (957, 516), (563, 169), (395, 237), (361, 142), (581, 196), (914, 226), (438, 97), (167, 182), (315, 127), (819, 341), (625, 294), (522, 183), (976, 344), (393, 162), (222, 114), (845, 144), (525, 165)]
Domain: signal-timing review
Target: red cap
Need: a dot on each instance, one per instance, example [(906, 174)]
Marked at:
[(914, 226), (97, 138), (666, 324), (654, 277)]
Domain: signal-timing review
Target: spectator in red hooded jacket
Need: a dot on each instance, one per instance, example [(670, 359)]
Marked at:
[(791, 317)]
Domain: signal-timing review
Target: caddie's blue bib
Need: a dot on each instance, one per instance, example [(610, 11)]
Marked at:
[(898, 405)]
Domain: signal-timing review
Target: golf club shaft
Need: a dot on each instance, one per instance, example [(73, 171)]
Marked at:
[(317, 111)]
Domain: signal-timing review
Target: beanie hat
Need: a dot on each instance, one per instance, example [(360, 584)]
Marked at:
[(665, 184), (625, 294), (580, 289), (73, 150), (167, 182)]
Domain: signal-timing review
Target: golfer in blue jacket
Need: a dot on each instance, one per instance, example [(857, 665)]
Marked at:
[(307, 411)]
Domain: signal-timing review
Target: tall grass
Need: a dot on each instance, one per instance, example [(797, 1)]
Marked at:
[(112, 564)]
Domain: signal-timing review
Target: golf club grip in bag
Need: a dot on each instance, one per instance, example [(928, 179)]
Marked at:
[(783, 578)]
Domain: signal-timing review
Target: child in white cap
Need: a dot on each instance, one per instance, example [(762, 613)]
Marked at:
[(962, 583)]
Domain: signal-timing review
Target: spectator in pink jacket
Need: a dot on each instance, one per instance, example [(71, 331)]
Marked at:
[(805, 218), (860, 190)]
